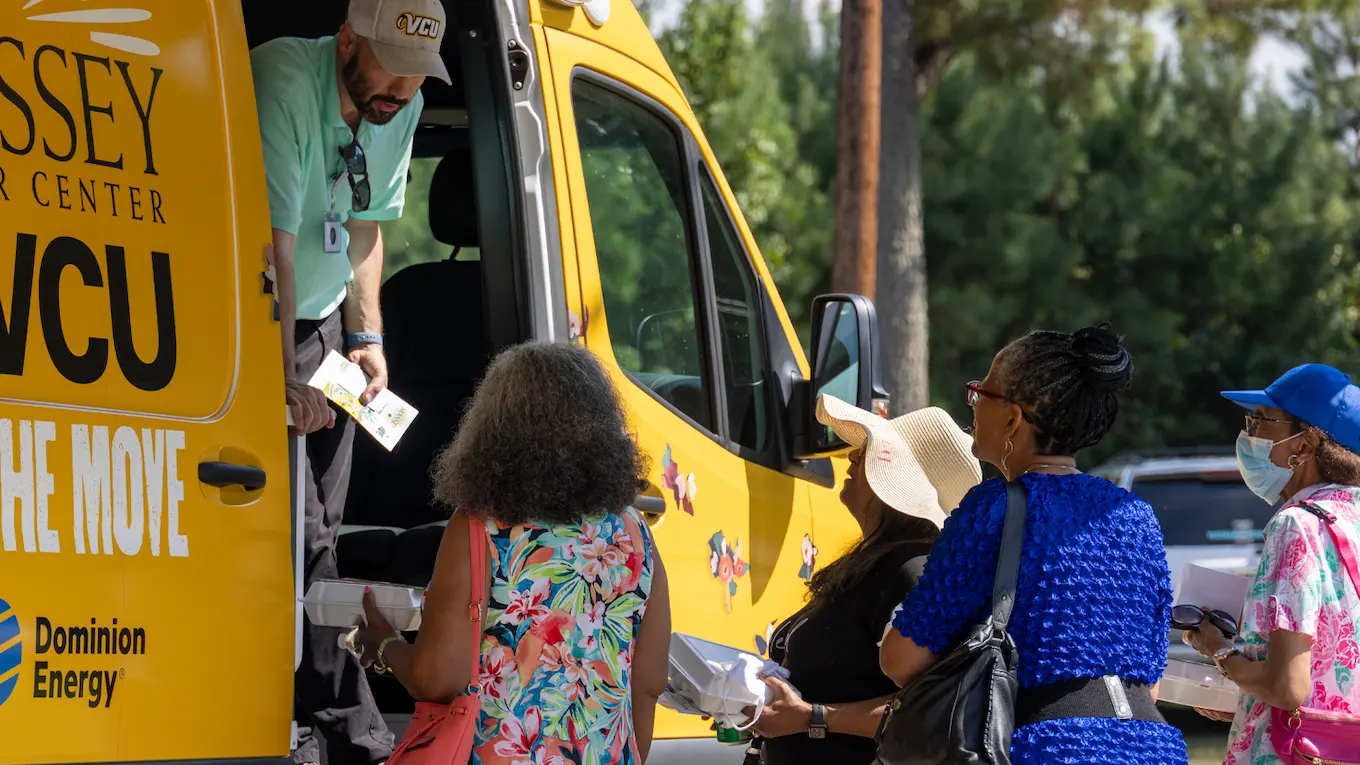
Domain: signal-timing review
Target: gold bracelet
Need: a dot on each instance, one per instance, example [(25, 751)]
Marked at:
[(379, 665)]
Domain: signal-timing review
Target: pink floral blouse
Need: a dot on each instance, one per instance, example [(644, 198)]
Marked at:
[(1301, 586)]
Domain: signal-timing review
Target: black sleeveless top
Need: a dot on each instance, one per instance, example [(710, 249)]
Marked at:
[(831, 651)]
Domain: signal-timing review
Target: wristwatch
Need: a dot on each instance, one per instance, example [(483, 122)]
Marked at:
[(818, 727), (1222, 655)]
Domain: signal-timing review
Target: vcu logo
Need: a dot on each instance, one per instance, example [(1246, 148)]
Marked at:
[(419, 26), (11, 651)]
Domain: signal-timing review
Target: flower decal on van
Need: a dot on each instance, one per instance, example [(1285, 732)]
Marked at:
[(726, 565), (809, 558), (682, 487), (577, 325)]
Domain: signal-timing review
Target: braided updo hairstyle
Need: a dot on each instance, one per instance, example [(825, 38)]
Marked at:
[(1069, 383)]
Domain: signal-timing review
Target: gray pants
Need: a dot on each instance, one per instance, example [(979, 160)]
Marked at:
[(330, 693)]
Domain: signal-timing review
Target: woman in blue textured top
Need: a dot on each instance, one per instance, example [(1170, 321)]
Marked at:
[(1094, 591)]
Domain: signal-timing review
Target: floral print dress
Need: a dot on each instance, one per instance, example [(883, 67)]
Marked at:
[(566, 605), (1302, 586)]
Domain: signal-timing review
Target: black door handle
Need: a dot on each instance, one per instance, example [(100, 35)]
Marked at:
[(224, 474), (650, 505)]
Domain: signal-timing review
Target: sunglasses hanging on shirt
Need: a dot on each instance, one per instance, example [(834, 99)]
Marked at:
[(356, 165)]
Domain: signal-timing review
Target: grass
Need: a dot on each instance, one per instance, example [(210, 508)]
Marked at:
[(1206, 740), (1207, 754)]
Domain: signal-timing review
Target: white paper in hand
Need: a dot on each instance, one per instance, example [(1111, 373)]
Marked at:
[(1211, 589), (386, 417)]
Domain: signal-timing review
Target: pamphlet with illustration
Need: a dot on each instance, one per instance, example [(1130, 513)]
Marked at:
[(386, 417)]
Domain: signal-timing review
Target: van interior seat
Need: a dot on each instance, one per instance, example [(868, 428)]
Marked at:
[(436, 351)]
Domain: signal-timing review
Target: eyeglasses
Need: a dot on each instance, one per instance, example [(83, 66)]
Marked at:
[(1191, 617), (1254, 421), (356, 164), (974, 391)]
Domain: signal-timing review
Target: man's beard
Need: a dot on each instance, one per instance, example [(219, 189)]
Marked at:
[(357, 87)]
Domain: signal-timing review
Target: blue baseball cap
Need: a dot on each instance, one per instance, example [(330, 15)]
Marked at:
[(1315, 393)]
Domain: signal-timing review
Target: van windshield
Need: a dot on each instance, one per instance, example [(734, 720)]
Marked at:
[(1215, 509)]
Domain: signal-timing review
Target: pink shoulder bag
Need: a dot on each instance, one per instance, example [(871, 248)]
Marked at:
[(443, 734), (1306, 736)]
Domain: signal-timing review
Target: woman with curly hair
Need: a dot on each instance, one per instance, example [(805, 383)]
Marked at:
[(577, 628), (1092, 607)]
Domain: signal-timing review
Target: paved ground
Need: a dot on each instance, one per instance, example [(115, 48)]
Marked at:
[(701, 752), (1206, 739)]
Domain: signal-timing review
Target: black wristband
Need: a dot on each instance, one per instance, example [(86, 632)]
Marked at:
[(363, 338)]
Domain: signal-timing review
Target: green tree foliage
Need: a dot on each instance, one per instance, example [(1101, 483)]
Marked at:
[(1071, 177), (1068, 39), (753, 121), (1212, 223)]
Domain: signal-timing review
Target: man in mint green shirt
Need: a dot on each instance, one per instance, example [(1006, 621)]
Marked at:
[(337, 116)]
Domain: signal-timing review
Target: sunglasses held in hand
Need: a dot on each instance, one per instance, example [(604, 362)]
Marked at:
[(1191, 617)]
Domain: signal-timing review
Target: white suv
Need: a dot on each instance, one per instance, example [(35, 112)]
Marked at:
[(1208, 516)]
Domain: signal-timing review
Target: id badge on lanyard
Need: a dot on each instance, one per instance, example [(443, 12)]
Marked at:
[(330, 234)]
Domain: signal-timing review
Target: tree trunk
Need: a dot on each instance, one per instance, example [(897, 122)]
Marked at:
[(857, 143), (902, 308)]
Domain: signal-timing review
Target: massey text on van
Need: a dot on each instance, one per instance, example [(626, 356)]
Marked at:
[(56, 71)]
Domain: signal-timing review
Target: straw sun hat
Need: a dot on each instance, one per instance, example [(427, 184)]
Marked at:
[(920, 464)]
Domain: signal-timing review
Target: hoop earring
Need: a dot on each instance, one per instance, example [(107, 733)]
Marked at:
[(1293, 462), (1010, 447)]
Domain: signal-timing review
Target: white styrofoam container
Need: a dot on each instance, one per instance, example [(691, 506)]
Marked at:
[(691, 671), (340, 603), (1197, 684), (694, 664)]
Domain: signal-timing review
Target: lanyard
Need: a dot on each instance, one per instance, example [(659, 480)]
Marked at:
[(335, 188)]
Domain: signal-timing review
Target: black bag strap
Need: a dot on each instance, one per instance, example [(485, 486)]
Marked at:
[(1008, 560)]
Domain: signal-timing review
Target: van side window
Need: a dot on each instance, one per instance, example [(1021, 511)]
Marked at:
[(634, 170), (739, 325)]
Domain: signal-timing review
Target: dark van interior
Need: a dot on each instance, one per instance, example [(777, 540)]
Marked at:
[(445, 316)]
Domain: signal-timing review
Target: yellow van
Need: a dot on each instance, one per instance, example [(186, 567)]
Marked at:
[(560, 189)]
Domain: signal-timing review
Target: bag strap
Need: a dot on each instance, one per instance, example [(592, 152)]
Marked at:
[(1344, 548), (1008, 559), (477, 542)]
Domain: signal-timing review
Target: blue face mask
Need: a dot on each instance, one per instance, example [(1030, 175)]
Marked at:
[(1265, 479)]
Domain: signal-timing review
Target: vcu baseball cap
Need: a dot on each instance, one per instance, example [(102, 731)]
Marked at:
[(1319, 395), (405, 35)]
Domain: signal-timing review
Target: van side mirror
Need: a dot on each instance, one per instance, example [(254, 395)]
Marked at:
[(845, 363)]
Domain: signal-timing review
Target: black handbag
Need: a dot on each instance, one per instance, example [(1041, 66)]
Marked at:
[(962, 709)]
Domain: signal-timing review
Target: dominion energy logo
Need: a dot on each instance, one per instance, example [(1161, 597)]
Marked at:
[(51, 649), (11, 651)]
